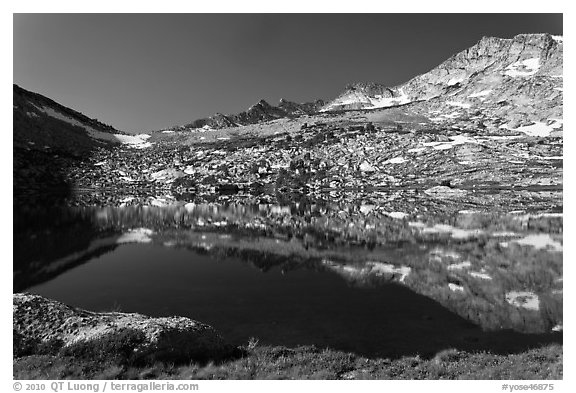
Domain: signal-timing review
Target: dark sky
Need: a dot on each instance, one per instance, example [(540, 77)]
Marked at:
[(148, 71)]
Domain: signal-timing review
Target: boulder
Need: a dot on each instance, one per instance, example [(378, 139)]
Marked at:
[(469, 151), (167, 175), (365, 166), (42, 320)]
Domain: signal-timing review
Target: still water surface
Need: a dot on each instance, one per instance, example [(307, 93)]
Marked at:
[(246, 296)]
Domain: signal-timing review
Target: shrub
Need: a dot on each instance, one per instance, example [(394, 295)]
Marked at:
[(22, 346)]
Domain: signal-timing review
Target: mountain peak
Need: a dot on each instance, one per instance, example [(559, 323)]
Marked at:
[(488, 65), (260, 105)]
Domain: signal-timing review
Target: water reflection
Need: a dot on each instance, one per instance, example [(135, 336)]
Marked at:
[(363, 246), (306, 306)]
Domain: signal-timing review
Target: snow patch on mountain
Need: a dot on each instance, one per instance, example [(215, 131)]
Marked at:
[(523, 68), (57, 115), (384, 102), (367, 96), (482, 93), (452, 115), (396, 160), (538, 129), (136, 141), (502, 77), (455, 81), (480, 275), (455, 141), (459, 104)]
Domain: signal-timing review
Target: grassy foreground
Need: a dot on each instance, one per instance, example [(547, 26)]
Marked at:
[(113, 360)]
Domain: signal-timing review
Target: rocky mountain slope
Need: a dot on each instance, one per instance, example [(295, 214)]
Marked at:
[(489, 104), (518, 80), (503, 78), (260, 112), (43, 124), (49, 139)]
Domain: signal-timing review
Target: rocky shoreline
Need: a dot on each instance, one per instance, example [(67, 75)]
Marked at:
[(39, 322), (55, 341)]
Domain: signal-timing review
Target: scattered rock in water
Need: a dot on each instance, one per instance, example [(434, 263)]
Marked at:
[(138, 235), (389, 269), (541, 241), (398, 215), (456, 233), (439, 255), (459, 266), (480, 275), (445, 192), (455, 287), (359, 272)]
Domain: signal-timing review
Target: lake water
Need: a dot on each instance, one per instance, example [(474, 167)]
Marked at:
[(227, 268)]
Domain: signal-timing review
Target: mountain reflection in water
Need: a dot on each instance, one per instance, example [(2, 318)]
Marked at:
[(350, 277)]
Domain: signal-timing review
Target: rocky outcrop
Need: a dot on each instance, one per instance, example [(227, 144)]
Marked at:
[(37, 319)]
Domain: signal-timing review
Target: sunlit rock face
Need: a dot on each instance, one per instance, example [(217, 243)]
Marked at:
[(489, 63), (36, 318), (506, 77), (366, 96)]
